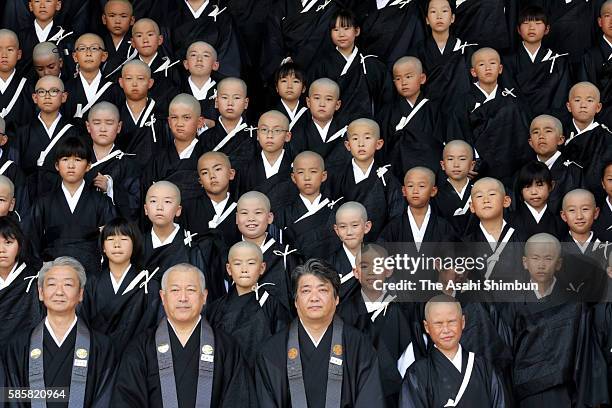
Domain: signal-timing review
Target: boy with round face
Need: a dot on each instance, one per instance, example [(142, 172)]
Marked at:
[(605, 215), (583, 103), (253, 217), (146, 39), (272, 135), (579, 212), (162, 206), (488, 202), (543, 260), (408, 77), (486, 68), (323, 101), (200, 62), (308, 175), (118, 17), (7, 196), (419, 188), (184, 119), (136, 82)]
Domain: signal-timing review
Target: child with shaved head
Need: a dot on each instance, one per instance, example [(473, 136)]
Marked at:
[(118, 19), (14, 189), (603, 222), (47, 60)]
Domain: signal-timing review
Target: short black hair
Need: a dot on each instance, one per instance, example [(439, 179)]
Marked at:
[(604, 167), (121, 226), (534, 171), (347, 19), (532, 13), (10, 229), (451, 3), (319, 268), (290, 68), (72, 146)]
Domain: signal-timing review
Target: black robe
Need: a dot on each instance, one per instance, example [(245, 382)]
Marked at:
[(361, 383), (381, 195), (250, 321), (523, 221), (438, 230), (138, 383), (59, 35), (602, 323), (342, 265), (199, 211), (596, 68), (486, 22), (19, 305), (166, 74), (165, 256), (567, 176), (207, 105), (22, 111), (58, 366), (584, 273), (117, 57), (56, 231), (365, 87), (16, 175), (121, 316), (447, 202), (74, 13), (603, 223), (431, 382), (240, 148)]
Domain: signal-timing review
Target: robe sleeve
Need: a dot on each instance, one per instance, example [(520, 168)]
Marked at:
[(264, 380), (413, 394), (497, 391), (130, 390)]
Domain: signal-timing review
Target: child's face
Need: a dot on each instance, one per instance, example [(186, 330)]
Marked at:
[(9, 250), (231, 100), (351, 228), (579, 213), (439, 16), (7, 201), (366, 274), (117, 18), (488, 201), (362, 142), (486, 67), (272, 133), (290, 88), (606, 182), (253, 218), (72, 169), (200, 61), (118, 248), (536, 194), (344, 37), (44, 10), (583, 104), (544, 138), (103, 127), (407, 80), (48, 65), (162, 206), (542, 260), (146, 39), (457, 162), (605, 20), (135, 82), (9, 54), (183, 122), (418, 189), (89, 53), (215, 175), (45, 101), (322, 102), (245, 268), (308, 175), (533, 31)]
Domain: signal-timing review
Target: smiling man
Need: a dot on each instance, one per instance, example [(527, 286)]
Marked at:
[(318, 349)]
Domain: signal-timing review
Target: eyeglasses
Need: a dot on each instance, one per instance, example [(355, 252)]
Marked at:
[(266, 131), (93, 48), (53, 92)]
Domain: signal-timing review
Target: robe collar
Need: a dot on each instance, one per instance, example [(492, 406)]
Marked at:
[(5, 84), (52, 333)]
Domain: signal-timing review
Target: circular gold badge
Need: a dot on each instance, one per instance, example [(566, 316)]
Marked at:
[(207, 349), (337, 349), (292, 353), (81, 353), (163, 348), (35, 353)]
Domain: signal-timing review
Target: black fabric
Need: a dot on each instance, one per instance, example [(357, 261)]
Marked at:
[(523, 221)]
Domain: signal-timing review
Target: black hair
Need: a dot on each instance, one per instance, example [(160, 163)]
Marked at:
[(532, 13), (10, 228), (319, 268), (121, 226), (534, 171), (72, 146), (288, 69), (604, 167), (347, 19), (451, 3)]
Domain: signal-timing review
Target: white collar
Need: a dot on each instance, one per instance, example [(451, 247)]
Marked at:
[(290, 112), (372, 305), (351, 57), (50, 130), (309, 206), (52, 333), (609, 203), (534, 55), (591, 126), (10, 277), (463, 190), (220, 206), (91, 89), (272, 169), (322, 130), (418, 233), (358, 173), (150, 62), (192, 330), (352, 258), (186, 154), (5, 84), (73, 200), (583, 247), (103, 157), (134, 118), (490, 96), (410, 103), (196, 13), (117, 284), (315, 342), (119, 44), (158, 243), (43, 33), (224, 128), (200, 93), (380, 4), (548, 291), (490, 238), (457, 360), (610, 44), (551, 162), (536, 215)]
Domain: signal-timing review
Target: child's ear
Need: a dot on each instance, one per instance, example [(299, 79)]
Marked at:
[(12, 205), (561, 141), (347, 145), (262, 268), (186, 65), (442, 165), (179, 210), (507, 201), (357, 31), (569, 108), (228, 269), (423, 79), (246, 102), (563, 216), (200, 122), (379, 144), (150, 84), (56, 166), (525, 262), (324, 175), (339, 102), (473, 72), (599, 105), (501, 68), (434, 191), (104, 56), (119, 127), (270, 218), (368, 226), (472, 209), (19, 55), (596, 213), (64, 96), (287, 137), (160, 40), (336, 230), (308, 102), (293, 178), (215, 66), (232, 174), (547, 29), (473, 165)]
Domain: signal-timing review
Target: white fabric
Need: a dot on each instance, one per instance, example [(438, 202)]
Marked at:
[(201, 93), (406, 360), (609, 43), (52, 333), (192, 330), (323, 130), (43, 33), (150, 62), (418, 233), (291, 112), (573, 135), (551, 162), (218, 207), (457, 360), (536, 215), (463, 190), (311, 206), (117, 284), (548, 291), (372, 305), (91, 89), (185, 154), (380, 4), (50, 130), (136, 119), (349, 59), (359, 174), (609, 203), (488, 96), (490, 238), (352, 258), (531, 56), (158, 242), (197, 13), (583, 247), (12, 275), (5, 84), (73, 200), (272, 169)]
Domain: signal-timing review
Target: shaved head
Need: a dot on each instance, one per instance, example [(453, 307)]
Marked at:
[(424, 170), (441, 300), (147, 21), (325, 82), (365, 122), (90, 36), (542, 238), (586, 85), (6, 182), (482, 51), (104, 107), (170, 187), (212, 155), (232, 80), (458, 144), (203, 44), (278, 115), (242, 245), (6, 33), (576, 193), (499, 184), (189, 101), (45, 49), (414, 61), (557, 125), (255, 195), (126, 2), (352, 206), (136, 63), (50, 80), (307, 154)]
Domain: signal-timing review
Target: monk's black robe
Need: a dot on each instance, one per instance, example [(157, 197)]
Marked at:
[(523, 220), (16, 104), (198, 215), (596, 68), (452, 207), (603, 223), (488, 23)]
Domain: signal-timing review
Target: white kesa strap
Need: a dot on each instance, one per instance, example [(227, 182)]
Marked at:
[(346, 278), (143, 274), (464, 210), (550, 57), (382, 306), (81, 110), (313, 211), (44, 153), (216, 12), (297, 117), (458, 46), (308, 6), (107, 158), (494, 258), (217, 220), (227, 138), (147, 113), (337, 135), (406, 119), (464, 383), (166, 66), (5, 166), (61, 34), (5, 111), (267, 245)]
